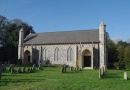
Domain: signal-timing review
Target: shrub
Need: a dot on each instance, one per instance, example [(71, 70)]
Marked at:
[(77, 63), (116, 65)]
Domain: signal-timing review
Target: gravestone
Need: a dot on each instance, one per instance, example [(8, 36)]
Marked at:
[(71, 68), (18, 70), (28, 70), (12, 70), (40, 66), (100, 73), (125, 76), (3, 67), (11, 66), (23, 69), (34, 67), (62, 70), (31, 70)]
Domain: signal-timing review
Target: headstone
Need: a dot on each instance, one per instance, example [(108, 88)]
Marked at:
[(62, 70), (23, 69), (31, 70), (40, 66), (12, 70), (28, 70), (34, 66), (71, 68), (3, 67), (100, 76), (125, 76), (11, 66), (18, 70)]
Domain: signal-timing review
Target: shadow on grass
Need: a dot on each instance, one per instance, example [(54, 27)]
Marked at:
[(111, 75), (4, 82)]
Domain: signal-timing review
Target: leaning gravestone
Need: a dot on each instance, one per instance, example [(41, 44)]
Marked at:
[(11, 66), (125, 76)]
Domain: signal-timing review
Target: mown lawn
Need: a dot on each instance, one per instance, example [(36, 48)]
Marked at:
[(51, 78)]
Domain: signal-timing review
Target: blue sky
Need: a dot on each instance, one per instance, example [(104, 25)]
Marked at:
[(66, 15)]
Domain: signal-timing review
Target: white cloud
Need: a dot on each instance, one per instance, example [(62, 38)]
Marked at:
[(117, 39)]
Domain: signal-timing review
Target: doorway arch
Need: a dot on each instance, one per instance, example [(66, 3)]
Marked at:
[(27, 56), (86, 58)]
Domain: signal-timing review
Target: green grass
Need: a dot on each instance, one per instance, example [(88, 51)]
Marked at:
[(51, 78)]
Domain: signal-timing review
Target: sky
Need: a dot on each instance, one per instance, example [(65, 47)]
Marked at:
[(67, 15)]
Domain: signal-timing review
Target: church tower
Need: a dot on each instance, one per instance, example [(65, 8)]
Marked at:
[(20, 45), (102, 45)]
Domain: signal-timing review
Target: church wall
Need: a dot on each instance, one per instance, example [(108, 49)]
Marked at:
[(63, 53)]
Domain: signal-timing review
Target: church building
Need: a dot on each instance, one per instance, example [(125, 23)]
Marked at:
[(85, 47)]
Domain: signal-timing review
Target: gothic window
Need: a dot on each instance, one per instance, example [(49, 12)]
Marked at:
[(69, 54), (44, 54), (56, 54)]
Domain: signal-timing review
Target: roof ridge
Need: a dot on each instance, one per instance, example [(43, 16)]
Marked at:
[(69, 31)]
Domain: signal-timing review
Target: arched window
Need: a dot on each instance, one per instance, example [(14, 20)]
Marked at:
[(56, 54), (69, 54), (44, 54)]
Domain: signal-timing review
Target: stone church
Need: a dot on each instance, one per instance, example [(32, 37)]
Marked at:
[(87, 47)]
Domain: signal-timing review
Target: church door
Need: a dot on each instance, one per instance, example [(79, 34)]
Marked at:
[(87, 61)]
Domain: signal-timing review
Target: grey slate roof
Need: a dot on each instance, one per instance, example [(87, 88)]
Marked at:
[(63, 37)]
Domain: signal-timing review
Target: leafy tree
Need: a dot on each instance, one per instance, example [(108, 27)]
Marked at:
[(121, 62), (127, 57), (112, 54), (9, 35)]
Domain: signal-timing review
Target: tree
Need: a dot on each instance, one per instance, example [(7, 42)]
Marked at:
[(121, 62), (127, 57), (112, 54), (9, 33)]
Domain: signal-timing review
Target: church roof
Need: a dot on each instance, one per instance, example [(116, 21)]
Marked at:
[(63, 37)]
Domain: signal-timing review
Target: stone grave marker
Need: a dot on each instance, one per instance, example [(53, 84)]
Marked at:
[(3, 67), (12, 70), (71, 68), (28, 70), (11, 66), (100, 76), (18, 70), (34, 67), (23, 69), (62, 69), (125, 76)]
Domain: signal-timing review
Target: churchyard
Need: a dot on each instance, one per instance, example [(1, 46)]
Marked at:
[(54, 78)]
